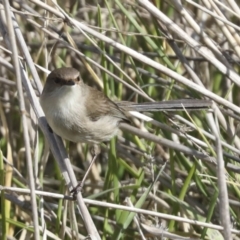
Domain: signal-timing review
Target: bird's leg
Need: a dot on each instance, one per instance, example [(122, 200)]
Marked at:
[(95, 151)]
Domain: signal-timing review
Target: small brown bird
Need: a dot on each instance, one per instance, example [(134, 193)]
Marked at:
[(80, 113)]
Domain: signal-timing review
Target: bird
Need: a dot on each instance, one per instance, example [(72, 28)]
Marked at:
[(80, 113)]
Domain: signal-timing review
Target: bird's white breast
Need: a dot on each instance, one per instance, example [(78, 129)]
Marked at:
[(65, 111)]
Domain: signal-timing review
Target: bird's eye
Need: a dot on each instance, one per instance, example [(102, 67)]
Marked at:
[(57, 80), (78, 79)]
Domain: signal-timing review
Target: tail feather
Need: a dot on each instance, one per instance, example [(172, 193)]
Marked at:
[(172, 105)]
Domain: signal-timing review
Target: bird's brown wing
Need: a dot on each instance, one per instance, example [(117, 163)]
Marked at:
[(101, 105)]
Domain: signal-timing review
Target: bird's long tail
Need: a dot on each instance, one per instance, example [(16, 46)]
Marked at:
[(172, 105)]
